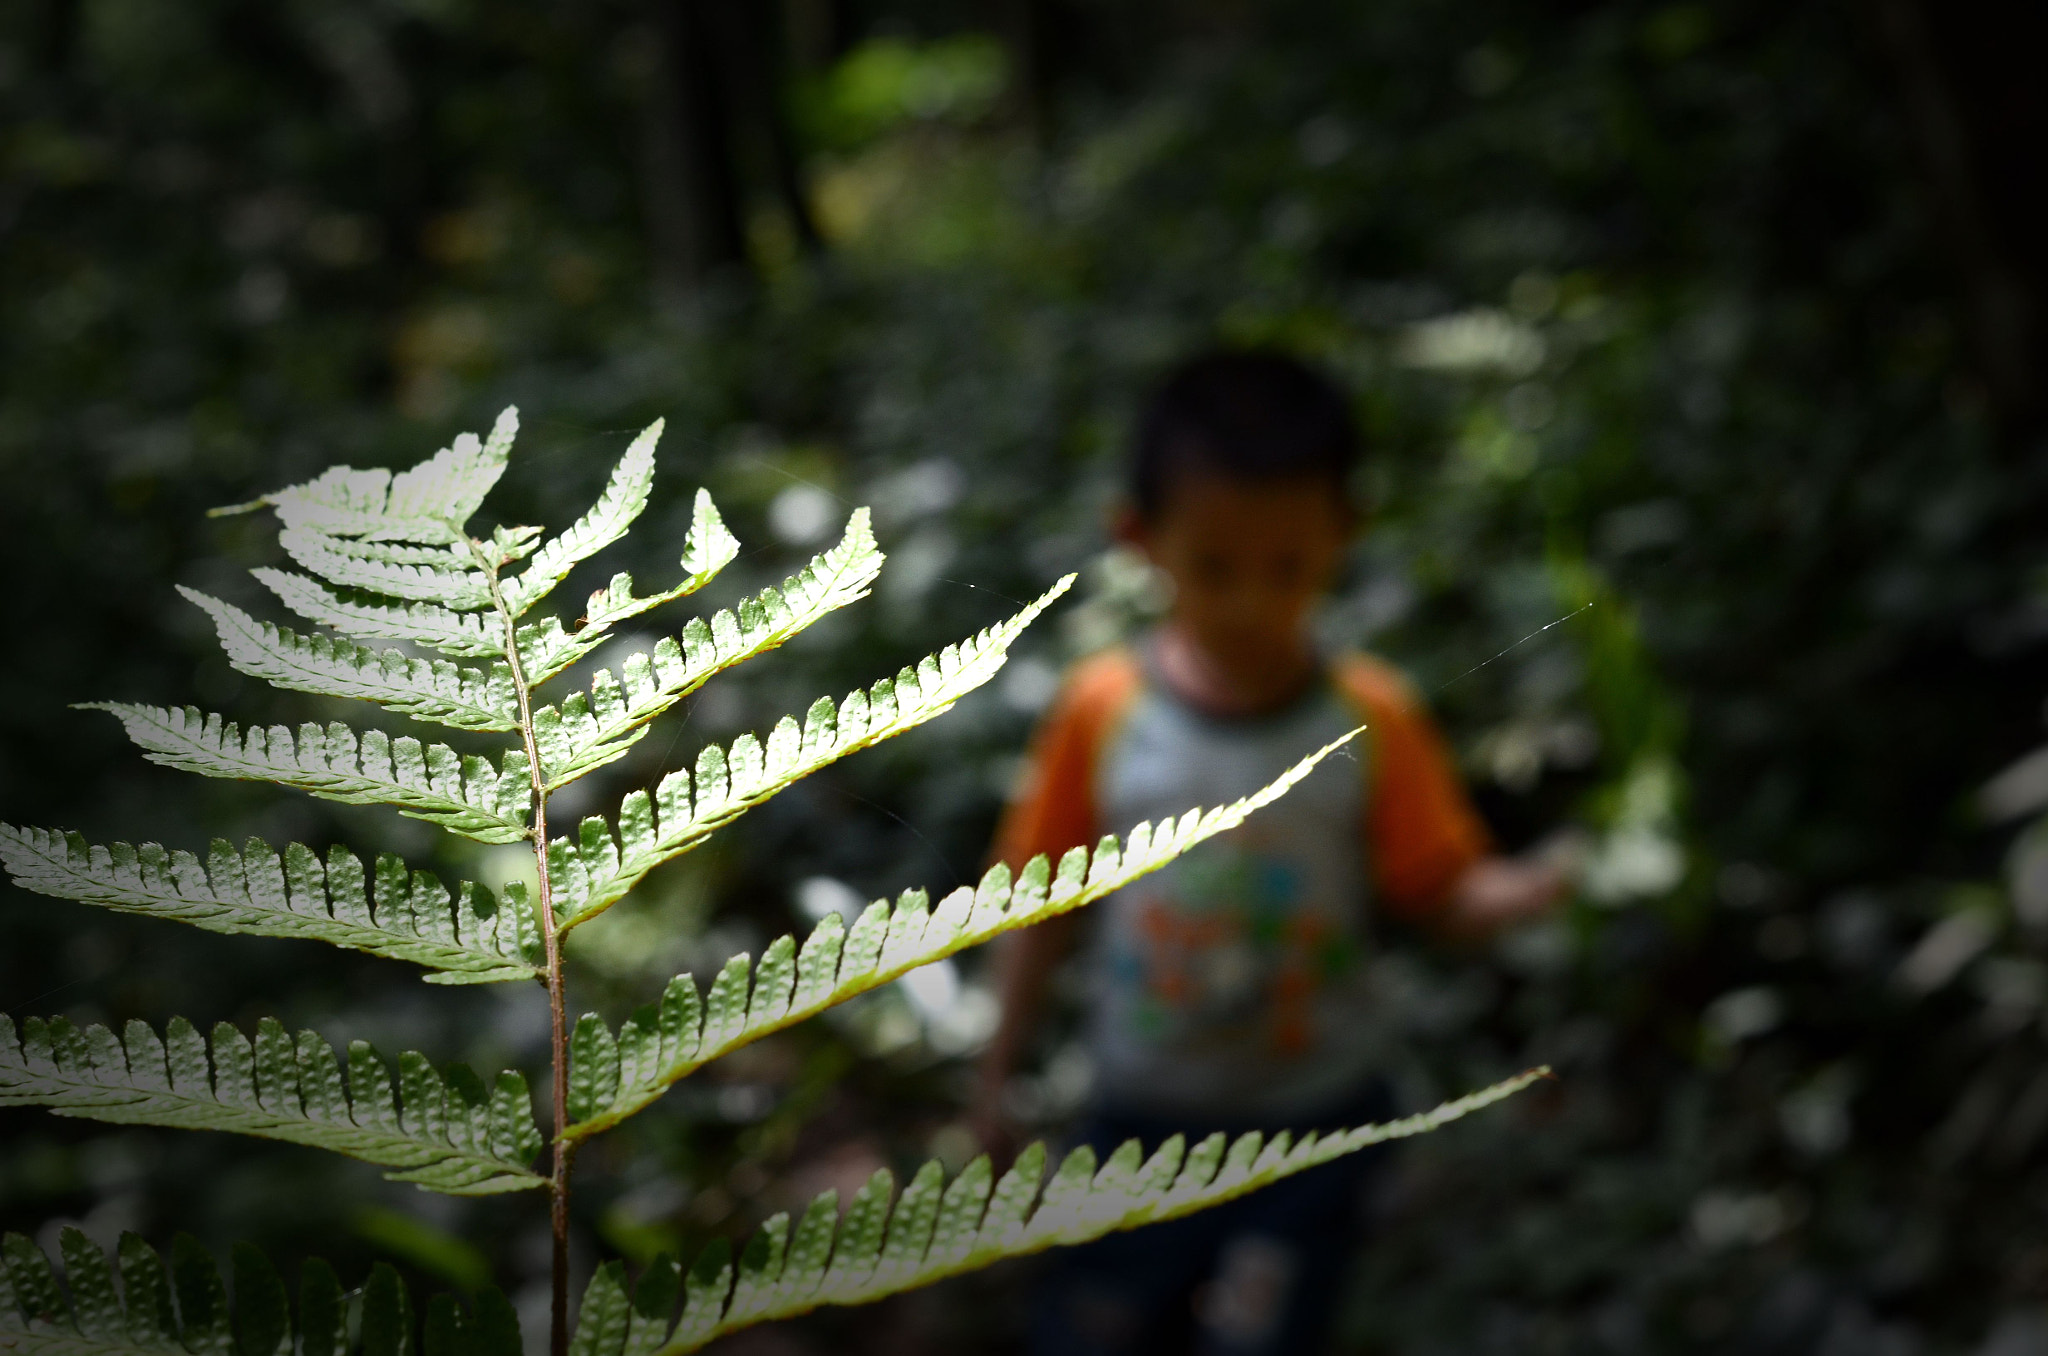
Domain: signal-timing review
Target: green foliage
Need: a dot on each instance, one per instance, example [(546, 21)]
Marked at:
[(474, 938), (444, 1132), (664, 1043), (399, 562), (597, 869), (187, 1307), (426, 781), (884, 1243), (430, 503), (887, 81), (585, 733), (441, 692)]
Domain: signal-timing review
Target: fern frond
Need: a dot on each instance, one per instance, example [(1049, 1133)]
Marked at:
[(428, 503), (546, 649), (154, 1311), (612, 1324), (623, 499), (936, 1228), (462, 634), (453, 582), (596, 870), (456, 556), (664, 1043), (447, 1134), (586, 732), (472, 939), (425, 781), (441, 692)]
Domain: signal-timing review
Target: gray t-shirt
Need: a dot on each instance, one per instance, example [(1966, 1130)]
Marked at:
[(1231, 983)]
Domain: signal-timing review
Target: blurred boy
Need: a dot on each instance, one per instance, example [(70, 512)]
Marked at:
[(1227, 991)]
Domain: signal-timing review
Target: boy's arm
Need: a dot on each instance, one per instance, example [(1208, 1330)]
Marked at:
[(1433, 861), (1498, 892)]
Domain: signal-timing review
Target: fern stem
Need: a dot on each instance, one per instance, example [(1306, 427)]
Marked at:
[(562, 1150)]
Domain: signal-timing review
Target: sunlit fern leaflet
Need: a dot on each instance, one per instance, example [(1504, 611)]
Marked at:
[(937, 1228), (587, 731), (427, 503), (472, 937), (432, 782), (444, 1131), (623, 499), (596, 869), (612, 1077), (445, 693)]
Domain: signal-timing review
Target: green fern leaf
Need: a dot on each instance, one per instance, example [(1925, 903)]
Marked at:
[(453, 580), (429, 503), (462, 634), (455, 556), (663, 1044), (472, 939), (155, 1311), (446, 1133), (262, 1311), (605, 1315), (595, 871), (430, 782), (938, 1229), (444, 693), (585, 733), (546, 649), (623, 499)]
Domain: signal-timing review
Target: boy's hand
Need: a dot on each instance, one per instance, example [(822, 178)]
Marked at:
[(1499, 892)]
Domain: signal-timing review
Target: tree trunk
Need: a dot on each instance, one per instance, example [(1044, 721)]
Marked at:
[(751, 55), (1978, 108), (693, 199)]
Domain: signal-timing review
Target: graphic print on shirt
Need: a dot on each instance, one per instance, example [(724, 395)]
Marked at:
[(1227, 943)]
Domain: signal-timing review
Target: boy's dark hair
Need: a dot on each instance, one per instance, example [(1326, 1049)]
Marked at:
[(1244, 414)]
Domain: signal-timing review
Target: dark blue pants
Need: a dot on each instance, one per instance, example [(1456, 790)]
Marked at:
[(1257, 1276)]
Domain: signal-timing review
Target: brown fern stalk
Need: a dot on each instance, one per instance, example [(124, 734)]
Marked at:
[(562, 1150)]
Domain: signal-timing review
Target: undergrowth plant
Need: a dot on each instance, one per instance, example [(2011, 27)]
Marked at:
[(391, 558)]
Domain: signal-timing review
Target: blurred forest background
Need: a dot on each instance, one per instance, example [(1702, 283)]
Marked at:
[(1718, 328)]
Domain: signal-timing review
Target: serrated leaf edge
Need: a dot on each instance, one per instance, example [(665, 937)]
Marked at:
[(279, 1087), (252, 891), (664, 1045)]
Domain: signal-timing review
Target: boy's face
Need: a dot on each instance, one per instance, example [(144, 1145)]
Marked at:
[(1248, 559)]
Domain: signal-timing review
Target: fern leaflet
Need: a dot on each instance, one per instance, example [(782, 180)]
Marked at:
[(186, 1307), (623, 499), (453, 581), (473, 939), (585, 733), (664, 1043), (546, 649), (612, 1324), (428, 503), (431, 781), (938, 1228), (448, 1133), (444, 693), (596, 870), (462, 634)]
